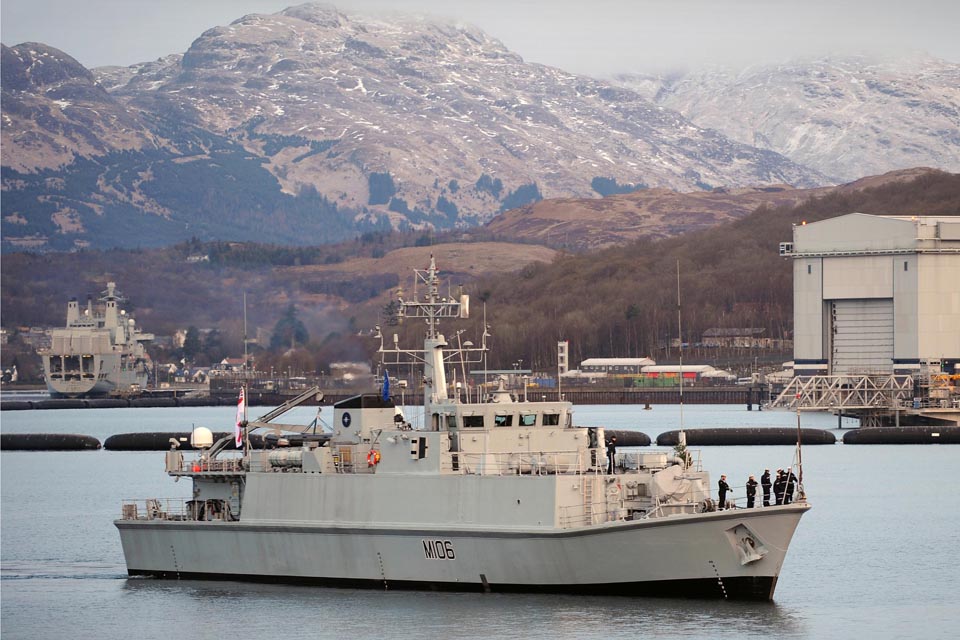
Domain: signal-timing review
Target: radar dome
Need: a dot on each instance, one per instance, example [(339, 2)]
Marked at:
[(201, 438)]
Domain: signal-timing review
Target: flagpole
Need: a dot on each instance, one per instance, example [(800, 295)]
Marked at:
[(246, 432), (799, 449)]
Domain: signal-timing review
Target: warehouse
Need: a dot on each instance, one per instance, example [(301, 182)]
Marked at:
[(876, 295)]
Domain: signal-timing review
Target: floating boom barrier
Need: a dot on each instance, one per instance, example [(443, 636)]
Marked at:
[(903, 435), (628, 438), (746, 436), (47, 442), (160, 441)]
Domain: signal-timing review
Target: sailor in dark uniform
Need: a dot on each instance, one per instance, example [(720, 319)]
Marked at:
[(611, 453), (751, 492), (723, 489), (765, 484), (779, 486)]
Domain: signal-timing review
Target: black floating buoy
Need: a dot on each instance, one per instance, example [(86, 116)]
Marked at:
[(16, 405), (747, 436), (153, 403), (47, 442), (160, 441), (903, 435), (61, 403), (108, 403), (628, 438)]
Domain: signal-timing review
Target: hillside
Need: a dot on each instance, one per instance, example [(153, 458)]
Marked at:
[(327, 293), (621, 301), (579, 224)]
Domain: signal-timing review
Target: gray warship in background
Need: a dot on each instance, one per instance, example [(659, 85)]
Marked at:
[(99, 353), (499, 494)]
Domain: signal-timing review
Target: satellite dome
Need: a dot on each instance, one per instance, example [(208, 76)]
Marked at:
[(201, 438)]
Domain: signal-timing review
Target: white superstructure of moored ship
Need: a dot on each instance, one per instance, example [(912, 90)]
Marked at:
[(99, 352), (498, 495)]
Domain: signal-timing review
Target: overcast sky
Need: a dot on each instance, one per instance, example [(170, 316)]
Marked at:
[(596, 37)]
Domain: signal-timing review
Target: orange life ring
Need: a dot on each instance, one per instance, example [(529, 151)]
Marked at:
[(373, 458)]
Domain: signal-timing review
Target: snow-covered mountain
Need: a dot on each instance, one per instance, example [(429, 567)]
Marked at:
[(846, 117), (53, 110), (403, 123), (312, 125), (430, 102)]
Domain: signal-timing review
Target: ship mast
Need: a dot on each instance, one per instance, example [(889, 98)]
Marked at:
[(432, 307)]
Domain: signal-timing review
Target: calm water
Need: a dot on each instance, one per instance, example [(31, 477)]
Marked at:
[(875, 558)]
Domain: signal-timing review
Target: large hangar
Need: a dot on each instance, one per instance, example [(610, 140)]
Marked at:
[(876, 295)]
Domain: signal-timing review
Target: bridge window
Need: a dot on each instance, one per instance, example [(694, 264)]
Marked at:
[(452, 421), (551, 419), (503, 421), (528, 420), (471, 422)]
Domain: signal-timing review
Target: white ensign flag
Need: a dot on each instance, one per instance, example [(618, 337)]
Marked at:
[(241, 411)]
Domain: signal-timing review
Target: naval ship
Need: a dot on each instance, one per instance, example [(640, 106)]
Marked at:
[(498, 494), (100, 352)]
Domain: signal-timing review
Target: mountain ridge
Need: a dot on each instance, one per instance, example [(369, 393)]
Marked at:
[(313, 125), (845, 116), (404, 124)]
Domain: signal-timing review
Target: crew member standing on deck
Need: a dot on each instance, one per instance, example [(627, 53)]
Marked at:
[(751, 492), (779, 485), (766, 484), (790, 482), (723, 487), (611, 453)]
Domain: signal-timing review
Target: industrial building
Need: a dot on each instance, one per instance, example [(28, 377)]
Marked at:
[(615, 366), (876, 317), (876, 294)]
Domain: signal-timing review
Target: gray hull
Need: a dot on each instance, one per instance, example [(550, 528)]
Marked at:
[(681, 556)]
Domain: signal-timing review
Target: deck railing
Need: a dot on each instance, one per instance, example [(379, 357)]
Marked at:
[(180, 509), (177, 464), (154, 509)]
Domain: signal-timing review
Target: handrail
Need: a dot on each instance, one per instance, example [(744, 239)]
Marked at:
[(176, 464)]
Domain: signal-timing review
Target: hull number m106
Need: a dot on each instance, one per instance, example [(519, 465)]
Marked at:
[(438, 550)]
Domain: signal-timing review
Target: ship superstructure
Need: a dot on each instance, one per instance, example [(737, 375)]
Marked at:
[(99, 352), (499, 494)]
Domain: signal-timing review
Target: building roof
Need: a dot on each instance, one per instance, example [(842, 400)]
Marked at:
[(861, 233), (617, 362), (716, 332)]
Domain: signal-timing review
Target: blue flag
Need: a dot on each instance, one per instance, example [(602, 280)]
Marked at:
[(386, 387)]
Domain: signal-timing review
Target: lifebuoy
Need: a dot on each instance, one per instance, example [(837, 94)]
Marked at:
[(373, 458)]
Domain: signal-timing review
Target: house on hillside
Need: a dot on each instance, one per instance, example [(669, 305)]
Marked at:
[(230, 365)]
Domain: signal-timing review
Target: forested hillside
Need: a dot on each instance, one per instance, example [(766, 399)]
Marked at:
[(623, 302)]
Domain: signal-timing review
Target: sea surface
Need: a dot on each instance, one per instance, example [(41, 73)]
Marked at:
[(878, 556)]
